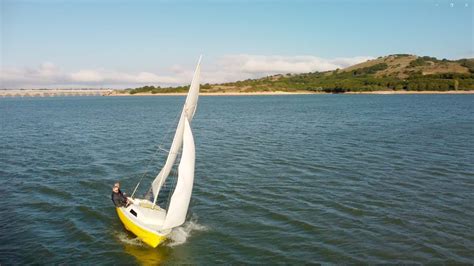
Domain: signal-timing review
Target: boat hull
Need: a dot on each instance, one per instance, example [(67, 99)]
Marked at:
[(151, 238)]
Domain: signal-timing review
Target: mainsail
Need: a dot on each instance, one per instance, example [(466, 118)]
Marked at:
[(176, 214), (187, 114)]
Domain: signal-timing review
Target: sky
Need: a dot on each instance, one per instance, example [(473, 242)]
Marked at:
[(120, 44)]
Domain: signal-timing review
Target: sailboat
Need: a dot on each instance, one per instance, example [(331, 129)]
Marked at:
[(143, 217)]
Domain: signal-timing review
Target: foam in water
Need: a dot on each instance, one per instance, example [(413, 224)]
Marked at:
[(126, 239), (179, 235)]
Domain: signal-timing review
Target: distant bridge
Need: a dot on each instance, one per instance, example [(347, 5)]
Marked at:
[(52, 93)]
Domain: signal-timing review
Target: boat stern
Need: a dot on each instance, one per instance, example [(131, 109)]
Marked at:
[(151, 238)]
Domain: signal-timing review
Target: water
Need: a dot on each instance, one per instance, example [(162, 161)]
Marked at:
[(279, 179)]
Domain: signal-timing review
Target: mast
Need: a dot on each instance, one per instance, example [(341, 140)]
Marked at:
[(189, 109)]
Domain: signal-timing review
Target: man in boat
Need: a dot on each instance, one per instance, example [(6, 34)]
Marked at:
[(118, 197), (117, 184)]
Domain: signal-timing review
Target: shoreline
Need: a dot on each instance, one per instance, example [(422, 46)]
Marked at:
[(217, 93), (290, 93), (413, 92), (47, 93)]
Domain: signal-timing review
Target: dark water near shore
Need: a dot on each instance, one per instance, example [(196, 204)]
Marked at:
[(279, 179)]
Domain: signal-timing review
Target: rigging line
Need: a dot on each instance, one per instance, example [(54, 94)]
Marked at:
[(145, 173), (168, 132), (154, 155)]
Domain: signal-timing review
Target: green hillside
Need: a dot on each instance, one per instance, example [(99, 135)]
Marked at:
[(393, 72)]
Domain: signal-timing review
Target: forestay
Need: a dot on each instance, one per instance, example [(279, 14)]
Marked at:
[(187, 114)]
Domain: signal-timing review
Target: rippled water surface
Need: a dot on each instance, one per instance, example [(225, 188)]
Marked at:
[(279, 179)]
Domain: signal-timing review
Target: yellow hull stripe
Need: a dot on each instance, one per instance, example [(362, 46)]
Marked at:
[(151, 238)]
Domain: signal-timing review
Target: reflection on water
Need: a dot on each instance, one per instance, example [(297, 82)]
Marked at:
[(146, 255)]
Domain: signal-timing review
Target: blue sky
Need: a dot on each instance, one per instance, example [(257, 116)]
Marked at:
[(94, 43)]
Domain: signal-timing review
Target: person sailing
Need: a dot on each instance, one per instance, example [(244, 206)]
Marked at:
[(118, 198)]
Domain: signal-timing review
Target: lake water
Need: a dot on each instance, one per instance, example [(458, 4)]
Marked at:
[(279, 179)]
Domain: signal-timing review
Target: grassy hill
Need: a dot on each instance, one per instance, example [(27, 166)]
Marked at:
[(393, 72)]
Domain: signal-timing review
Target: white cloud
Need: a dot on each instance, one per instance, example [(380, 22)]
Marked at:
[(286, 64), (226, 69), (45, 74), (48, 75), (238, 67), (146, 77), (113, 77), (86, 76)]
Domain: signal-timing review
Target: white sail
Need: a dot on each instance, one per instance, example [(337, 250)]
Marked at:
[(188, 112), (176, 214), (193, 94)]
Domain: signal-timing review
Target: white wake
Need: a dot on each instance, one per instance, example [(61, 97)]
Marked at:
[(180, 234), (125, 238)]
